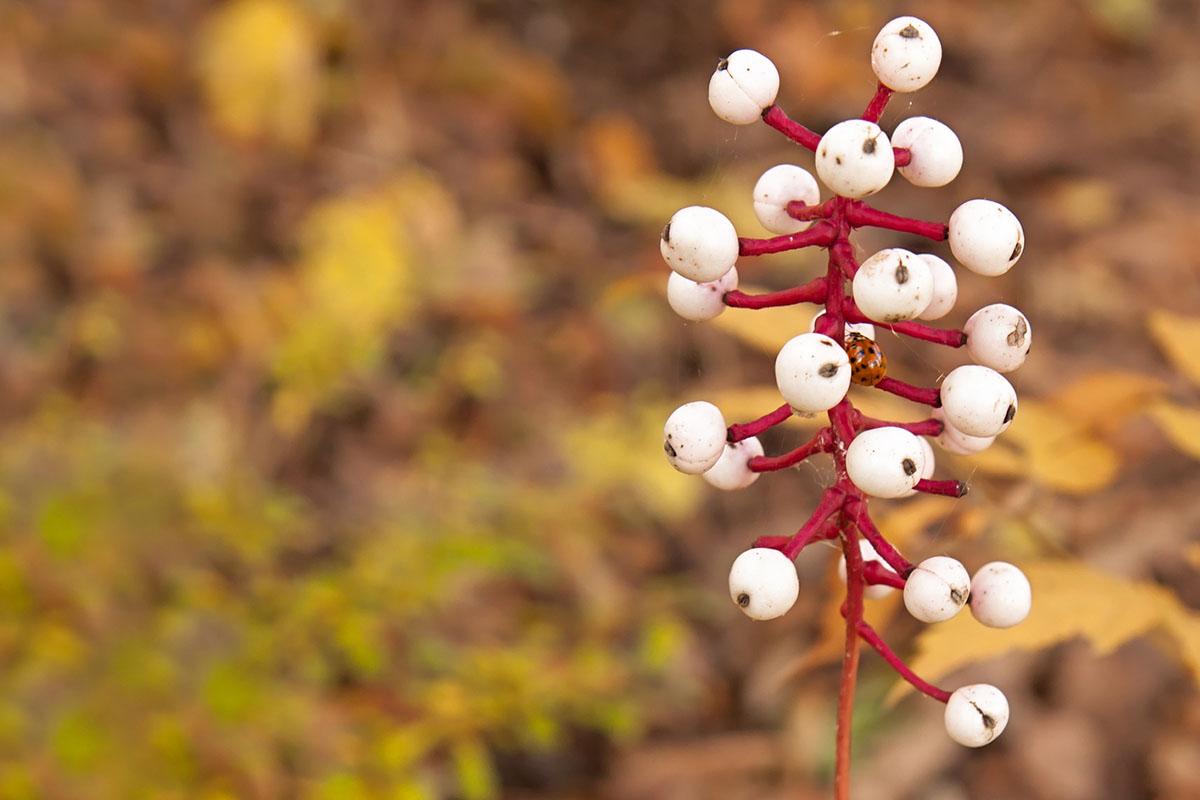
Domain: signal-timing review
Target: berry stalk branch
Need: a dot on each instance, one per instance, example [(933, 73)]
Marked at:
[(814, 371)]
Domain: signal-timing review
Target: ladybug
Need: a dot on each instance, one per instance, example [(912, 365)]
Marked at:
[(867, 363)]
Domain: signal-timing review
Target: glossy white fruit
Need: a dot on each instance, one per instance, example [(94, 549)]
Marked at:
[(885, 462), (699, 302), (743, 85), (937, 154), (978, 400), (893, 285), (976, 714), (906, 54), (937, 589), (952, 440), (694, 437), (763, 583), (779, 186), (1000, 595), (855, 159), (998, 336), (699, 243), (731, 471), (986, 237), (812, 372), (945, 287)]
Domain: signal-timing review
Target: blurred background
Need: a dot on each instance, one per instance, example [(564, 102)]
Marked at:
[(335, 358)]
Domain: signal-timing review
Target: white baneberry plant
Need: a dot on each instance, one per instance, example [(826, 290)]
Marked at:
[(814, 370)]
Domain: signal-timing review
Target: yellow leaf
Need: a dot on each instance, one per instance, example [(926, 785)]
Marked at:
[(765, 329), (1178, 336), (1000, 459), (1070, 600), (1078, 465), (743, 404), (259, 67), (1181, 425), (1102, 400)]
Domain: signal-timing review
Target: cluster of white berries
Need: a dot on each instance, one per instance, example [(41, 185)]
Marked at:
[(856, 159)]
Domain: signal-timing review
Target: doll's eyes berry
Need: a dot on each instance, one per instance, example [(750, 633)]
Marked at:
[(863, 308)]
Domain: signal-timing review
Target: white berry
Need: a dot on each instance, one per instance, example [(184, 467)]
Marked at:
[(986, 237), (976, 714), (812, 372), (699, 302), (952, 440), (945, 287), (1000, 595), (937, 154), (874, 591), (694, 437), (731, 470), (763, 583), (855, 159), (930, 464), (743, 86), (937, 589), (998, 336), (906, 54), (885, 462), (699, 243), (978, 400), (893, 285), (779, 186)]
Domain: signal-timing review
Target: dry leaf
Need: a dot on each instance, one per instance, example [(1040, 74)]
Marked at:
[(260, 70), (765, 329), (1070, 600), (1180, 424), (1178, 336), (1102, 400)]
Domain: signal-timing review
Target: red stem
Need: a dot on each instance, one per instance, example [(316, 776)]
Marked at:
[(845, 710), (811, 292), (831, 502), (820, 234), (878, 103), (926, 427), (744, 430), (856, 508), (947, 488), (902, 156), (917, 394), (861, 215), (876, 573), (820, 443), (872, 638), (914, 330), (803, 211), (774, 116)]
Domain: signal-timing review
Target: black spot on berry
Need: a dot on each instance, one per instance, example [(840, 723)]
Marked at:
[(910, 32), (957, 596), (828, 370), (723, 64), (670, 449), (743, 599), (989, 721), (1016, 253), (1016, 337), (838, 159), (869, 146), (901, 274), (909, 466), (666, 234), (1008, 415)]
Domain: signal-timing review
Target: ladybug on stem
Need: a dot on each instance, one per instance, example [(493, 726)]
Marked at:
[(867, 362)]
